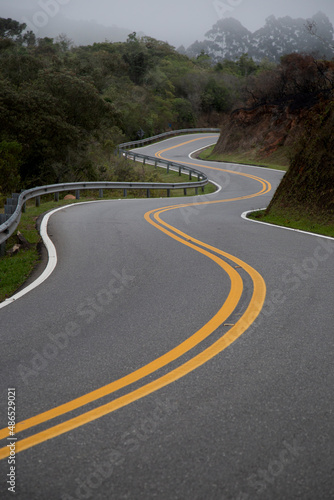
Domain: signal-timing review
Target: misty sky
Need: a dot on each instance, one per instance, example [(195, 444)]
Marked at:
[(176, 21)]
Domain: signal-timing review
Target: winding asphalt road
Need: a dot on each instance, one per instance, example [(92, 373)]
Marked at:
[(177, 351)]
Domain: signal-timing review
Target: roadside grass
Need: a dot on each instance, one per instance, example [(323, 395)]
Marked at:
[(312, 223), (159, 174), (15, 269), (294, 220), (277, 160)]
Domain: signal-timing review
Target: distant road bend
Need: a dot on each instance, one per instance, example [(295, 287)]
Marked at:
[(210, 335)]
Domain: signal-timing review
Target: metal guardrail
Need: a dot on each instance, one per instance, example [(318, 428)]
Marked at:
[(15, 205), (172, 133)]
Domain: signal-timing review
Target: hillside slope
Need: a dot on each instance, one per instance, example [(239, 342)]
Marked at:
[(290, 112), (261, 131), (308, 186), (306, 136)]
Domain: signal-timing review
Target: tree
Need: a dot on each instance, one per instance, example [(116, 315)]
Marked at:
[(215, 97), (11, 29), (10, 159), (20, 66), (64, 42), (246, 65), (325, 36), (185, 117), (136, 56), (29, 39)]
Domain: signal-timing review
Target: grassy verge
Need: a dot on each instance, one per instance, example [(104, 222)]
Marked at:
[(277, 160), (296, 221), (14, 270), (288, 218), (160, 174)]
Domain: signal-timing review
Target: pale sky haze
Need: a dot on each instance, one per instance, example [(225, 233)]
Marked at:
[(176, 21)]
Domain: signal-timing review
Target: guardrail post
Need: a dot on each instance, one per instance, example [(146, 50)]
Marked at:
[(185, 191), (3, 249), (12, 203), (101, 193), (9, 209), (196, 190), (24, 208), (125, 193)]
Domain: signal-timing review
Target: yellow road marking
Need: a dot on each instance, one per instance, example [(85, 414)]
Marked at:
[(228, 307), (248, 318), (223, 313), (245, 321), (251, 176)]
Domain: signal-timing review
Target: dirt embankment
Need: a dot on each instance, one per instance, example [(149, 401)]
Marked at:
[(306, 135), (308, 186), (261, 131)]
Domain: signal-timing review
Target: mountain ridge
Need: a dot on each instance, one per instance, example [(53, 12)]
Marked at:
[(229, 39)]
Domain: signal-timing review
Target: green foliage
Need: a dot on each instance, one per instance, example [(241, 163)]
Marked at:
[(68, 107), (11, 29), (242, 67), (10, 159), (20, 67), (183, 110), (299, 79), (215, 97)]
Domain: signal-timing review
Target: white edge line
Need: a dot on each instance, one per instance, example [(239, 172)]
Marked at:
[(190, 155), (51, 249), (245, 214), (52, 254)]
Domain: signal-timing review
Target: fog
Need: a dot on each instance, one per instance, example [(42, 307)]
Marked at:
[(176, 21)]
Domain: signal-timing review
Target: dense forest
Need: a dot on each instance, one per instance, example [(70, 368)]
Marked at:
[(63, 109)]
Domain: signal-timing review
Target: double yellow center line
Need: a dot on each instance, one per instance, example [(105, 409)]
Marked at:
[(153, 217)]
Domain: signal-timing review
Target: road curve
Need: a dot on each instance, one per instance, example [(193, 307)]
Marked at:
[(176, 351)]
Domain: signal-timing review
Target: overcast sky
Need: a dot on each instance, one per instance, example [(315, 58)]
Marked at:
[(176, 21)]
